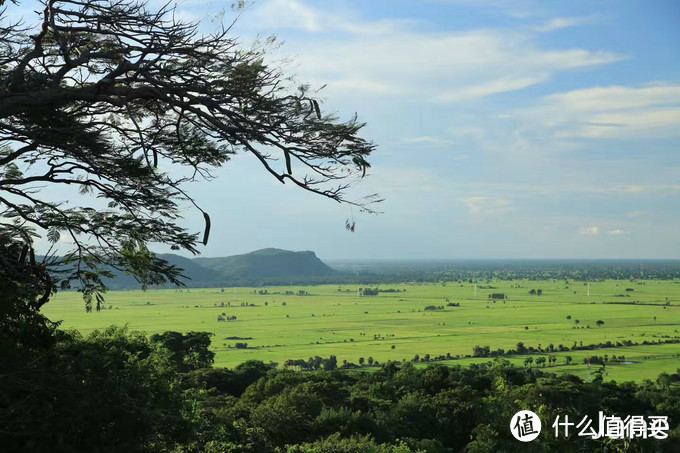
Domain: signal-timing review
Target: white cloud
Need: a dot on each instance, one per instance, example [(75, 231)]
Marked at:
[(614, 98), (589, 231), (400, 182), (286, 14), (502, 85), (616, 232), (487, 193), (518, 9), (655, 189), (296, 14), (487, 205), (613, 112), (648, 123), (365, 85), (429, 140), (559, 23), (402, 59)]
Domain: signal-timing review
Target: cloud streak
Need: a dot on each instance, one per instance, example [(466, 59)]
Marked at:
[(560, 23), (611, 112), (589, 231), (487, 206), (400, 58)]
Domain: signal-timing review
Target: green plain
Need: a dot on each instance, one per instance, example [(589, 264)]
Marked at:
[(333, 320)]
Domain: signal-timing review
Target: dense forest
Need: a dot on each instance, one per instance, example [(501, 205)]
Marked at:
[(116, 390)]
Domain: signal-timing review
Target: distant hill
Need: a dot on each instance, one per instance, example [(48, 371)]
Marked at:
[(267, 263), (263, 267), (198, 275), (195, 274)]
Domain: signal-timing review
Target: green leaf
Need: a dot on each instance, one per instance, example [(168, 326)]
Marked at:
[(53, 235)]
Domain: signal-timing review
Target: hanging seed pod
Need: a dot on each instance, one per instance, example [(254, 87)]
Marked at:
[(206, 233), (289, 166)]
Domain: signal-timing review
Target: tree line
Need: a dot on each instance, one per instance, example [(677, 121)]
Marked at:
[(116, 390)]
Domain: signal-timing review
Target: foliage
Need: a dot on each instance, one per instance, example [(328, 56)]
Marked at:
[(433, 409), (114, 390), (111, 391), (24, 288), (187, 351), (337, 444), (128, 104)]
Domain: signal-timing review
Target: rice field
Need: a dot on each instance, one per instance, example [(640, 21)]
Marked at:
[(405, 320)]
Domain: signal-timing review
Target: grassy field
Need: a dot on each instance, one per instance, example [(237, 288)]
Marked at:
[(396, 326)]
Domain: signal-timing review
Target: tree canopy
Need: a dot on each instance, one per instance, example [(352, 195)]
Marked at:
[(128, 104)]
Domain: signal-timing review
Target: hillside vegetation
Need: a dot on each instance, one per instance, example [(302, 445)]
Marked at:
[(267, 263), (115, 390), (268, 266)]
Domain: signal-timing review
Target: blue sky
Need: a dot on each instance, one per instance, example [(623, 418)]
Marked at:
[(505, 129)]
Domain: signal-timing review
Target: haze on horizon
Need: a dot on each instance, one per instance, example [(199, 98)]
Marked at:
[(505, 129)]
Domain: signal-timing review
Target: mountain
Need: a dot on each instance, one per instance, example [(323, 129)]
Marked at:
[(195, 275), (268, 263), (262, 267)]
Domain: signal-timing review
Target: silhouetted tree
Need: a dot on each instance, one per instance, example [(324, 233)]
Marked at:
[(127, 103)]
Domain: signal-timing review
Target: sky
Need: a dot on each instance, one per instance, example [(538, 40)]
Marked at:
[(505, 129)]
